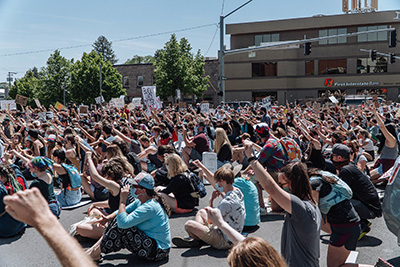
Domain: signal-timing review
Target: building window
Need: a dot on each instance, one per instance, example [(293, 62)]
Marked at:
[(264, 69), (139, 80), (125, 82), (266, 38), (366, 65), (310, 67), (374, 36), (332, 66), (332, 32)]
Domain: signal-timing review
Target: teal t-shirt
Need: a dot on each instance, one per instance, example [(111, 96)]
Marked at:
[(149, 217), (251, 203)]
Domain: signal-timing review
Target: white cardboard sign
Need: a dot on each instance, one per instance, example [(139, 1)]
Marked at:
[(149, 95)]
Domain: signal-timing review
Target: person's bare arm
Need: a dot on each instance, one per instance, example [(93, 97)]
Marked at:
[(390, 139), (30, 207), (214, 215), (122, 136)]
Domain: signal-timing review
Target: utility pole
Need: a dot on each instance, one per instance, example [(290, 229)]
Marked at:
[(222, 50), (9, 78)]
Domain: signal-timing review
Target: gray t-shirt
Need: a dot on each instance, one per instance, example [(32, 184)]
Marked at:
[(300, 234), (232, 210)]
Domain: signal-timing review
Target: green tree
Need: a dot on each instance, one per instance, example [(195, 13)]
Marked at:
[(28, 86), (178, 68), (104, 47), (85, 79), (54, 77), (140, 60)]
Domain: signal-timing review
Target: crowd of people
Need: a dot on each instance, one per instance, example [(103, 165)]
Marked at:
[(320, 165)]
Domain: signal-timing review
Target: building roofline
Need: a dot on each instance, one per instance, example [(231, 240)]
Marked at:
[(318, 21)]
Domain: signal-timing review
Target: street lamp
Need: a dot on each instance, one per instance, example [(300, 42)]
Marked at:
[(222, 49)]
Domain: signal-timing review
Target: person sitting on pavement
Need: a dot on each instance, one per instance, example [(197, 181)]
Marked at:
[(9, 185), (300, 241), (70, 181), (365, 197), (195, 146), (232, 208), (177, 193), (272, 157), (246, 186), (222, 147), (142, 227), (115, 177)]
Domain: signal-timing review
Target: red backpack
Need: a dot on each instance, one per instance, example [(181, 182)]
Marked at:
[(291, 149)]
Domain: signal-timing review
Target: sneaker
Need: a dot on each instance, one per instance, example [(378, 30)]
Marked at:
[(187, 242), (382, 263), (364, 231), (263, 211)]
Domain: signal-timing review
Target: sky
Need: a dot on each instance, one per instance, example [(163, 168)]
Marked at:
[(31, 30)]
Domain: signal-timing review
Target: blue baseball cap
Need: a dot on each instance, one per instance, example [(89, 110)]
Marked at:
[(144, 180)]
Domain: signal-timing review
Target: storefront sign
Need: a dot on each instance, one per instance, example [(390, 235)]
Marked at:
[(331, 83)]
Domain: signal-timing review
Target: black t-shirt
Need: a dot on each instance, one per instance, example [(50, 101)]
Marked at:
[(181, 188), (362, 187), (340, 213), (225, 153)]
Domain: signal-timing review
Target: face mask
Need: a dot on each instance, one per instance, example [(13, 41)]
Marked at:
[(133, 192), (219, 188), (339, 164), (274, 121), (153, 134)]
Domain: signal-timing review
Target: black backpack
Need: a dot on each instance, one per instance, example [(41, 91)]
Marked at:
[(135, 162), (199, 190)]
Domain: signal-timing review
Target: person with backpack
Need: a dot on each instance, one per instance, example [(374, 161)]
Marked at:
[(365, 197), (70, 180), (178, 193), (334, 201)]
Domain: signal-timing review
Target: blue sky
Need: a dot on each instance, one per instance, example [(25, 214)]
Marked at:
[(27, 26)]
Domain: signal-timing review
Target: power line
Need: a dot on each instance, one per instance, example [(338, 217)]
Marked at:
[(212, 41), (115, 41), (222, 8)]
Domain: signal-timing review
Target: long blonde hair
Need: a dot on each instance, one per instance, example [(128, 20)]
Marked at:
[(175, 165), (221, 139)]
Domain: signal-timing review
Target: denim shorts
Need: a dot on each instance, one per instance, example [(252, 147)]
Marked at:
[(69, 198)]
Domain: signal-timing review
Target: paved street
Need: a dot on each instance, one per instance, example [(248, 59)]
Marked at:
[(32, 250)]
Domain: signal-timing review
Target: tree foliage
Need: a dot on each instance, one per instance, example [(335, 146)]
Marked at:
[(178, 68), (54, 77), (28, 86), (140, 60), (85, 79), (104, 47)]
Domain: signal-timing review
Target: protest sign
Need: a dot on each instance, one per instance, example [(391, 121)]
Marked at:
[(21, 100), (266, 102), (122, 96), (205, 107), (333, 100), (37, 102), (118, 102), (99, 99), (130, 106), (59, 106), (137, 101), (8, 105), (149, 95), (210, 161), (83, 110)]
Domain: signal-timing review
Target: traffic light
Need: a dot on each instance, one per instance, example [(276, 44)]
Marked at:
[(372, 54), (392, 38), (220, 93), (392, 58), (307, 48)]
